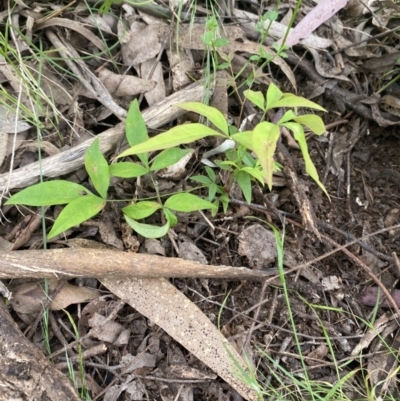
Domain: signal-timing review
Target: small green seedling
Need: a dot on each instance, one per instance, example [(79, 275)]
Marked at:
[(82, 204), (262, 141), (239, 164)]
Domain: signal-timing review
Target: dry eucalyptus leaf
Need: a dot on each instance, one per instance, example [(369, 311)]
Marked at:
[(181, 63), (143, 45), (258, 244), (30, 297), (146, 70), (124, 85), (104, 329), (162, 303), (189, 251), (324, 10), (131, 363), (10, 123)]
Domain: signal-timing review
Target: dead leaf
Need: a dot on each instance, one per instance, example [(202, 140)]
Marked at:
[(156, 75), (104, 329), (259, 246), (161, 302), (30, 297), (124, 85), (135, 50), (324, 10)]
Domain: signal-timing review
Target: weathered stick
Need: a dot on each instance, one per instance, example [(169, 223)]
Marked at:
[(86, 262)]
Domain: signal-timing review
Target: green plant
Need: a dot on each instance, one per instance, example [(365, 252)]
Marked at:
[(262, 140), (82, 204)]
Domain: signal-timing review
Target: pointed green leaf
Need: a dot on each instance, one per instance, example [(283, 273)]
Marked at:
[(168, 157), (288, 116), (256, 173), (313, 122), (298, 132), (182, 134), (211, 173), (135, 129), (244, 138), (257, 98), (202, 179), (212, 190), (97, 167), (273, 95), (76, 212), (141, 210), (185, 202), (265, 137), (171, 218), (211, 113), (147, 230), (290, 100), (127, 170), (244, 182), (221, 42), (57, 192)]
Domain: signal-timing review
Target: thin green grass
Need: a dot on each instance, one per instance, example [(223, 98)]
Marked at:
[(285, 385)]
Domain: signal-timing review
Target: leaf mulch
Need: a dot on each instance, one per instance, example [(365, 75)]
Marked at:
[(131, 318)]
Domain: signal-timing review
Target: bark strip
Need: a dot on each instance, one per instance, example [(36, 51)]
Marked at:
[(85, 262)]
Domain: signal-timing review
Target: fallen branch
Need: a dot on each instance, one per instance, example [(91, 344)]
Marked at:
[(85, 262)]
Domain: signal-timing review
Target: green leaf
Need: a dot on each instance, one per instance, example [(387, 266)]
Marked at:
[(97, 167), (185, 202), (244, 138), (141, 210), (288, 116), (221, 42), (182, 134), (127, 170), (254, 172), (265, 137), (148, 230), (256, 98), (168, 157), (135, 129), (76, 212), (171, 218), (290, 100), (211, 113), (313, 122), (212, 190), (244, 182), (201, 179), (301, 139), (211, 173), (57, 192), (273, 95)]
